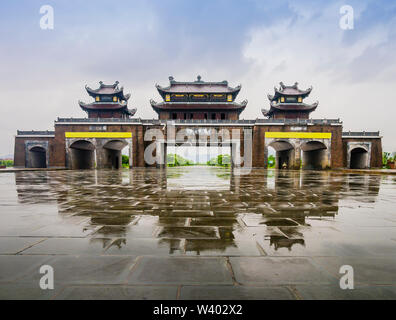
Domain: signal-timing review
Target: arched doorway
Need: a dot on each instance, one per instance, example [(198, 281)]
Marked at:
[(37, 157), (314, 155), (112, 154), (82, 155), (284, 154), (359, 158)]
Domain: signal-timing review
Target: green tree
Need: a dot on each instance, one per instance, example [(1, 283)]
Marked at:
[(223, 160), (174, 160), (7, 163), (125, 161), (271, 161), (385, 158)]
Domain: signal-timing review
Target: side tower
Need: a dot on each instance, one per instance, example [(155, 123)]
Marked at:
[(110, 102), (198, 100), (287, 103)]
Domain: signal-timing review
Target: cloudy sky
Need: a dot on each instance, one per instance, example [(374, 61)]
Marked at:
[(253, 43)]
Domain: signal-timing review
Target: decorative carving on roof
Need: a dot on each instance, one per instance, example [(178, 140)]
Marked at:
[(289, 99), (292, 90), (108, 89), (197, 86), (108, 97)]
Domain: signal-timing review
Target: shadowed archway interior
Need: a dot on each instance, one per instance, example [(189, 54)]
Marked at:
[(38, 157), (82, 155), (313, 155), (284, 154), (359, 157)]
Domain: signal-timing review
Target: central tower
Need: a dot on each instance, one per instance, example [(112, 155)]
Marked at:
[(287, 103), (199, 100), (110, 102)]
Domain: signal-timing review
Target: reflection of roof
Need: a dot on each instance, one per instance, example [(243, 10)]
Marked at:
[(289, 91), (199, 105), (289, 107), (197, 86), (108, 89), (107, 106)]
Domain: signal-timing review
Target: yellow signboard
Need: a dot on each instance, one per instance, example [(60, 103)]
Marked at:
[(298, 135), (98, 134)]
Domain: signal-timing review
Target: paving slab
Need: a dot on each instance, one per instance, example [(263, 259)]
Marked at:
[(266, 270), (86, 269), (221, 247), (235, 293), (142, 246), (27, 291), (181, 270), (315, 292), (365, 270), (13, 245), (73, 246), (13, 267), (118, 293)]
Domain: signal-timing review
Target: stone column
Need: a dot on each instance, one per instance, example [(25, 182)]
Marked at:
[(297, 157)]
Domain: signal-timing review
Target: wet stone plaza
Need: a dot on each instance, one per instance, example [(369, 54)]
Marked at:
[(197, 233)]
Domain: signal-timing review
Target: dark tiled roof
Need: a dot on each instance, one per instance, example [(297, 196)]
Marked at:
[(106, 106), (108, 89), (293, 90), (290, 107), (197, 86), (199, 105)]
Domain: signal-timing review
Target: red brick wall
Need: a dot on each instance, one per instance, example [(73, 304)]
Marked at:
[(58, 157), (19, 149), (376, 150), (259, 142)]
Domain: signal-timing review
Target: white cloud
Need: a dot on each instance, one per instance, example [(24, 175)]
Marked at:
[(349, 72)]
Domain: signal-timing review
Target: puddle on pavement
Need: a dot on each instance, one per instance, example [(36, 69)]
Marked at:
[(201, 211)]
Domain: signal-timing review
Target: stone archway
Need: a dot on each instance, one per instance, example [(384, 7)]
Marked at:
[(112, 157), (314, 155), (358, 155), (37, 157), (284, 158), (82, 155), (358, 158)]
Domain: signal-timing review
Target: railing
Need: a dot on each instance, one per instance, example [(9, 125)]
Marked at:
[(300, 121), (34, 132), (361, 134), (206, 121), (133, 120)]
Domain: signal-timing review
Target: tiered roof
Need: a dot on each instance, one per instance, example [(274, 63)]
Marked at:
[(197, 86), (190, 88), (106, 93), (279, 101), (108, 90)]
